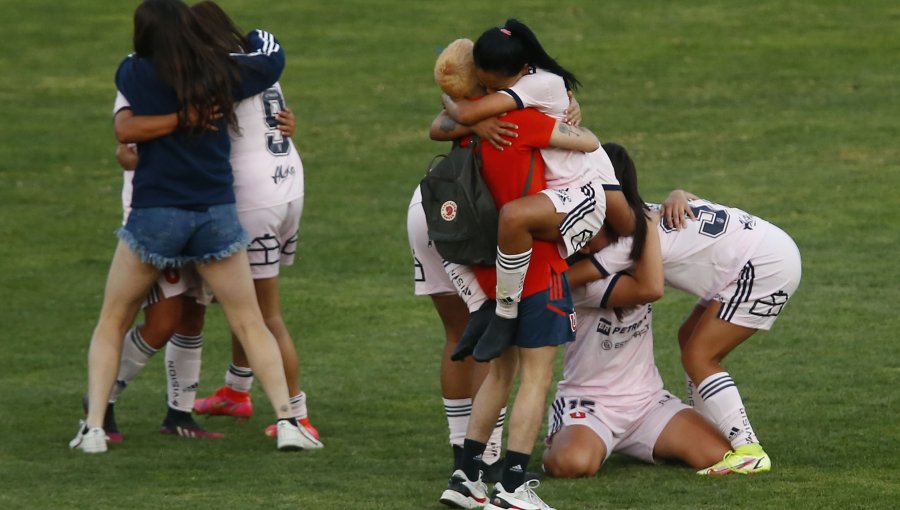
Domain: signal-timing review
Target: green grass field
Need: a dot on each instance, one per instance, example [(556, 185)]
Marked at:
[(788, 109)]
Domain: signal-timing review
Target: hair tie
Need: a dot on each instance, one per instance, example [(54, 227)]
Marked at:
[(506, 32)]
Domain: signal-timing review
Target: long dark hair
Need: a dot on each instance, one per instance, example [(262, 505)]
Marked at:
[(220, 28), (626, 173), (166, 32), (507, 49)]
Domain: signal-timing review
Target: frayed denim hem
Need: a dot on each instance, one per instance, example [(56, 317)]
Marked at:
[(157, 261), (233, 248)]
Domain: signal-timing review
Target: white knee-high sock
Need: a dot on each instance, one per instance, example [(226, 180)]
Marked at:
[(183, 370), (692, 398), (511, 271), (723, 405), (239, 378), (135, 354), (458, 411)]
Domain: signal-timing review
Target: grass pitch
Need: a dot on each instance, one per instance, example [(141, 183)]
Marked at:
[(786, 109)]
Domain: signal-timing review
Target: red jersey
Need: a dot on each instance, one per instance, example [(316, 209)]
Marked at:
[(505, 173)]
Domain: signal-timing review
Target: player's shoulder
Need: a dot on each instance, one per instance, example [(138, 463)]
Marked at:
[(134, 67)]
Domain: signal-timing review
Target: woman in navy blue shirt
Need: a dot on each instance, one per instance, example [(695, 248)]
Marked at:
[(183, 203)]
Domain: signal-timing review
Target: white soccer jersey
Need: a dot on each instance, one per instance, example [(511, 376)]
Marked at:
[(267, 168), (127, 175), (703, 257), (611, 362), (546, 92)]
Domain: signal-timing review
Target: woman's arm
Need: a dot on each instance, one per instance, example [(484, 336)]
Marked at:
[(131, 128), (444, 129), (261, 66), (676, 209), (574, 138), (646, 283), (469, 112)]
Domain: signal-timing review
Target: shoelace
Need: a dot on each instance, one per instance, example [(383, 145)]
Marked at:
[(528, 494)]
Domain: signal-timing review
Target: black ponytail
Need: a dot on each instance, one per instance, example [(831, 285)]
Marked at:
[(506, 50), (626, 173)]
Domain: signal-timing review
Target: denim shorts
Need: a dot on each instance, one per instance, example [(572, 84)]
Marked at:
[(171, 237)]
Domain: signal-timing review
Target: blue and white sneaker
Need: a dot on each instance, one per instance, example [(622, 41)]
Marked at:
[(464, 493)]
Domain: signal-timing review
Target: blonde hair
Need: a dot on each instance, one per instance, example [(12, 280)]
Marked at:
[(454, 70)]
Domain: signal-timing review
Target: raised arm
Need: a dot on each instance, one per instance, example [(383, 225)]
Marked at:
[(444, 129), (574, 138), (469, 112), (677, 209), (645, 284), (261, 66)]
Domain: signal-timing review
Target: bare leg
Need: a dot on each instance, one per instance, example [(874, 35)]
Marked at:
[(531, 399), (127, 284), (710, 341), (576, 452), (459, 379), (690, 438), (231, 283), (492, 396)]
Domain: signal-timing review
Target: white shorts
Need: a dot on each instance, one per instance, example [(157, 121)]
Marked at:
[(639, 438), (173, 282), (428, 266), (765, 284), (585, 210), (274, 232)]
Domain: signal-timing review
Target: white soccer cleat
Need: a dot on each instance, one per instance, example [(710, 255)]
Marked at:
[(292, 438), (90, 440)]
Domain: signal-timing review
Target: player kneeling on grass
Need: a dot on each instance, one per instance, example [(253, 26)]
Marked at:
[(611, 398), (744, 270)]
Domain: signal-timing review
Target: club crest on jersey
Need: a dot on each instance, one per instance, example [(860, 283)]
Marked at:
[(448, 210)]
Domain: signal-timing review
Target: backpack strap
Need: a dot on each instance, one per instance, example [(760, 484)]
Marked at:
[(530, 174)]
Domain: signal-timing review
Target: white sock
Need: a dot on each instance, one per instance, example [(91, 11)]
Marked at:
[(495, 443), (135, 354), (183, 370), (692, 397), (723, 405), (463, 278), (458, 411), (298, 406), (511, 271), (239, 378)]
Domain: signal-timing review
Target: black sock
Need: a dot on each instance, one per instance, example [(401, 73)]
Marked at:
[(514, 470), (457, 457), (175, 418), (471, 458), (292, 421)]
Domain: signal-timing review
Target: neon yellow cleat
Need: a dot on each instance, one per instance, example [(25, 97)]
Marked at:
[(746, 460)]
